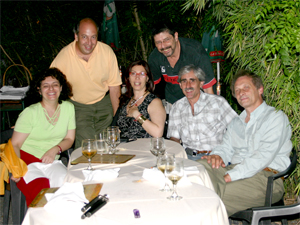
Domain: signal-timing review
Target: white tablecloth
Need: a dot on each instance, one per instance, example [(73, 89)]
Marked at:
[(200, 204)]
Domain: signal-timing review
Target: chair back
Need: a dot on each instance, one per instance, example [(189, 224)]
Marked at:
[(293, 164)]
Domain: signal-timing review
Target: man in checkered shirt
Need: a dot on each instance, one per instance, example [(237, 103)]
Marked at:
[(198, 120)]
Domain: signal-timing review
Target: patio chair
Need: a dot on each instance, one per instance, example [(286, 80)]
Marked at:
[(275, 211), (247, 215), (12, 194)]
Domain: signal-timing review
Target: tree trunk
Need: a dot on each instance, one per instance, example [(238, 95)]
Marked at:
[(136, 16)]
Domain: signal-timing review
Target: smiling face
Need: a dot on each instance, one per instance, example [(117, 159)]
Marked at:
[(138, 82), (86, 39), (166, 43), (50, 89), (190, 86), (247, 95)]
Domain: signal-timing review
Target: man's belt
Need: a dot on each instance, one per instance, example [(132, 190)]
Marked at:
[(194, 152), (202, 152), (271, 170)]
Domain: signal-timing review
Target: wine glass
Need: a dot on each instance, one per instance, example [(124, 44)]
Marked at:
[(166, 163), (89, 150), (175, 175), (100, 143), (157, 146), (113, 138)]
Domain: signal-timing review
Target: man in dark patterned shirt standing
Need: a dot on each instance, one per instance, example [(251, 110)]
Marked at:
[(198, 120)]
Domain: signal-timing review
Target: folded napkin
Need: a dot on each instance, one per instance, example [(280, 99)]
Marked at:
[(100, 175), (156, 176), (55, 172), (67, 200)]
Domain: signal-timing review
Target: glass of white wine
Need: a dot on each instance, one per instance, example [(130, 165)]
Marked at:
[(89, 150), (175, 175), (113, 138), (165, 163)]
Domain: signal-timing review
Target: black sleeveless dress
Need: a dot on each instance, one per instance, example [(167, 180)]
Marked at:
[(130, 128)]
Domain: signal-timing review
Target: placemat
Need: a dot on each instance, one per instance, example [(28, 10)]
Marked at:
[(104, 159), (90, 191)]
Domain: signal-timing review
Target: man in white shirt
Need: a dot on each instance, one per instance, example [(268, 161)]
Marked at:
[(198, 120), (256, 145)]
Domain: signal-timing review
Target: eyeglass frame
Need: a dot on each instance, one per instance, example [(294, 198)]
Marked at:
[(133, 74)]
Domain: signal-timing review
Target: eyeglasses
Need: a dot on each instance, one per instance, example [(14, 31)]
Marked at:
[(165, 41), (142, 74)]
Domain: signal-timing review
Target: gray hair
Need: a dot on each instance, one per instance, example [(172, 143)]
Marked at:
[(198, 72)]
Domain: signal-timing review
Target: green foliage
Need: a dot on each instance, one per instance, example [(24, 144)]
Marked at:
[(33, 32), (149, 13), (264, 37)]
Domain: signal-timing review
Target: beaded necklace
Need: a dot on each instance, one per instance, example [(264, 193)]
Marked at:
[(52, 120), (133, 101)]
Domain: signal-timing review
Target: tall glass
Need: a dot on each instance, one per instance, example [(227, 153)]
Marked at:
[(100, 143), (166, 163), (175, 175), (113, 138), (89, 150)]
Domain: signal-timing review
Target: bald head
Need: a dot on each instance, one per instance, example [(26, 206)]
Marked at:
[(85, 21)]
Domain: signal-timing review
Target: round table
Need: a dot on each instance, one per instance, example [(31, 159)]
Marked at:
[(129, 191)]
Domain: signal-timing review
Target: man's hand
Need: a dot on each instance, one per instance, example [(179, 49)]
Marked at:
[(215, 160), (49, 156), (227, 178), (15, 179)]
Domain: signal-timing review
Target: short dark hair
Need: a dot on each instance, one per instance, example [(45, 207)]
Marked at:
[(163, 27), (33, 95), (76, 27), (256, 80), (149, 85)]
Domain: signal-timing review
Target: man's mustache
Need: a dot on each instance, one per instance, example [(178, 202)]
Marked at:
[(189, 89), (162, 49)]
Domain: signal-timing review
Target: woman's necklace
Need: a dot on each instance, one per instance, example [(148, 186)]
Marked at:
[(133, 101), (53, 118)]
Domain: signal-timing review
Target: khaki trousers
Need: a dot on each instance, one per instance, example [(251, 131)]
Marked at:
[(242, 194), (92, 119)]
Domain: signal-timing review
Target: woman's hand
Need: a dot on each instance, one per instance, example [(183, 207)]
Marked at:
[(49, 156), (15, 179), (133, 112)]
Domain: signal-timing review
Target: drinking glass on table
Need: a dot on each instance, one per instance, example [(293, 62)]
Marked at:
[(157, 146), (175, 175), (166, 163), (89, 150), (113, 138), (100, 143)]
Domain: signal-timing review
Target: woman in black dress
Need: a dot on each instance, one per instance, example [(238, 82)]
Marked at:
[(141, 113)]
